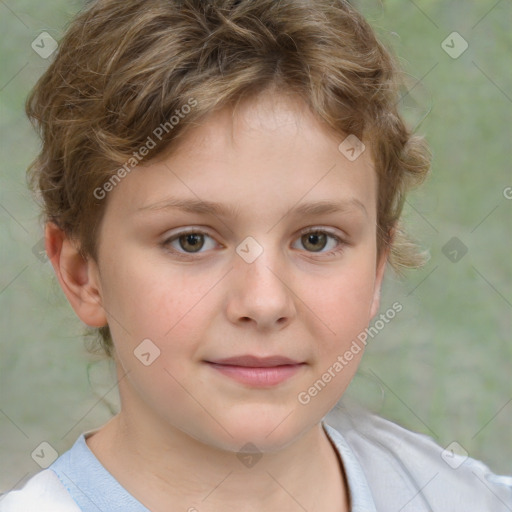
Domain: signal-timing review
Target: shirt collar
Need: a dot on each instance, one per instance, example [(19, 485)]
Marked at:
[(93, 487), (88, 482), (361, 499)]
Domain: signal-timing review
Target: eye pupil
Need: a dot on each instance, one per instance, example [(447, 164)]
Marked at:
[(314, 239), (194, 239)]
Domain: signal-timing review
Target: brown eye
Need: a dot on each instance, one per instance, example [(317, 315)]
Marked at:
[(320, 241), (314, 241), (191, 242)]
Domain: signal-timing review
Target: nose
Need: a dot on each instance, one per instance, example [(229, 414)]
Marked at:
[(261, 292)]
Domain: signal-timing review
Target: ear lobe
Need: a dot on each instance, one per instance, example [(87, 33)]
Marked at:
[(78, 277)]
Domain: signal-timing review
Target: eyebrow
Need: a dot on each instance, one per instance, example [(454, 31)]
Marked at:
[(221, 210)]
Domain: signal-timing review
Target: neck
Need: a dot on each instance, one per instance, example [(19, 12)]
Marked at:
[(171, 467)]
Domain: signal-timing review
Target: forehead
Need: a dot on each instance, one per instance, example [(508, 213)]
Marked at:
[(279, 122), (267, 155)]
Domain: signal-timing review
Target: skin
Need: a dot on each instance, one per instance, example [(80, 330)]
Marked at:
[(182, 423)]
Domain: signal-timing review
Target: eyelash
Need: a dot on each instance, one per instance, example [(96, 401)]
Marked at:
[(188, 255)]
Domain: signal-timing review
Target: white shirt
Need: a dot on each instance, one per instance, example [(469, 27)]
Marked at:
[(388, 468)]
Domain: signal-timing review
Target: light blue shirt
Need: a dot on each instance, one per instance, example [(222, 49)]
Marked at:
[(388, 469), (94, 489)]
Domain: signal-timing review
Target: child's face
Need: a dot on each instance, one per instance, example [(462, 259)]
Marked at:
[(204, 300)]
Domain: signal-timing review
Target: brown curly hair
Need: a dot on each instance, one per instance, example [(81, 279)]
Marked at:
[(125, 67)]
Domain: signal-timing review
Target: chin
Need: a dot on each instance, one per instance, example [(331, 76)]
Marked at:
[(268, 432)]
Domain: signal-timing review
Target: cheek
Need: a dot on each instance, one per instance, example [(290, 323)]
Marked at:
[(172, 310), (342, 312), (342, 305), (150, 302)]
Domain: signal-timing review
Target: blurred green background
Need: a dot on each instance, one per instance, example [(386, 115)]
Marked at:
[(443, 366)]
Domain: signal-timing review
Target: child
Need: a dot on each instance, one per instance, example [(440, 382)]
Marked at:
[(223, 183)]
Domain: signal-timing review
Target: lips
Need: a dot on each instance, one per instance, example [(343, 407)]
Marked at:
[(256, 362), (257, 372)]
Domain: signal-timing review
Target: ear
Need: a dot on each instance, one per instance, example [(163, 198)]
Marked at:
[(78, 277), (379, 275)]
